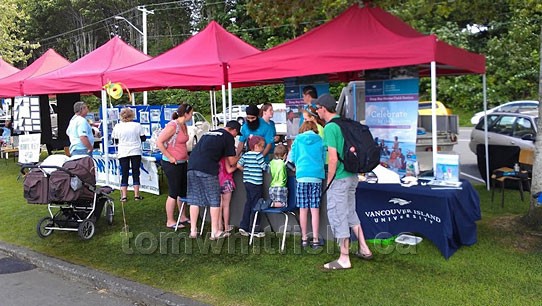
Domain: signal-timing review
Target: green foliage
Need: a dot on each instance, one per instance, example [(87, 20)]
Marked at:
[(14, 48)]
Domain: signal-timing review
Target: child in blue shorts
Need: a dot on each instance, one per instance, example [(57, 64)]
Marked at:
[(308, 156)]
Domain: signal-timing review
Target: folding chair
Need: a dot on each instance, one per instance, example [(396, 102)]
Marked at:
[(504, 174), (286, 211), (183, 203)]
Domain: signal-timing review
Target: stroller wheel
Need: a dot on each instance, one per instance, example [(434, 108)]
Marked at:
[(86, 229), (109, 213), (42, 229)]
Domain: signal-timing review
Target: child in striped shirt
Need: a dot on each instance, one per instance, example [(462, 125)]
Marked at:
[(252, 164)]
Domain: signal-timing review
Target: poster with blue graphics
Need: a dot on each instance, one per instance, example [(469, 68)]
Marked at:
[(392, 114)]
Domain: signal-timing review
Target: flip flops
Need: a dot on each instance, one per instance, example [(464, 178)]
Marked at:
[(335, 265), (138, 198), (179, 226), (123, 199), (222, 235)]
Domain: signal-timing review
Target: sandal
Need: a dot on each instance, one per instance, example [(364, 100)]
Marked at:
[(220, 236), (316, 244), (304, 243), (335, 265), (123, 199), (178, 226), (364, 256), (138, 198)]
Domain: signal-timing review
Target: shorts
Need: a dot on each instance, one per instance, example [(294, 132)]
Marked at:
[(308, 195), (341, 206), (227, 187), (278, 194), (203, 189)]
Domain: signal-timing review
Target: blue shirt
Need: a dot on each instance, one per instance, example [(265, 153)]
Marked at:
[(264, 130), (79, 127), (253, 166)]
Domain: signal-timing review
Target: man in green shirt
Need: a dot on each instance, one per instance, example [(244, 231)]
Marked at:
[(341, 194)]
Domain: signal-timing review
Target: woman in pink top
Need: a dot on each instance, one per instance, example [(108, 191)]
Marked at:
[(172, 143)]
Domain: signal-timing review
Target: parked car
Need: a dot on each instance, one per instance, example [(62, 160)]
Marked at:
[(424, 109), (511, 107), (238, 112), (508, 129), (196, 128)]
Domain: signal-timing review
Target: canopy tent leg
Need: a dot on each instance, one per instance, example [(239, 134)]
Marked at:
[(213, 109), (224, 104), (105, 136), (484, 89), (434, 113), (230, 97)]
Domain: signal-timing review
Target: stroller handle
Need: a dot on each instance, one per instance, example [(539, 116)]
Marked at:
[(32, 166)]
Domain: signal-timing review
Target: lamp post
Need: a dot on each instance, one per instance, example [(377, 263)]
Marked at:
[(143, 33)]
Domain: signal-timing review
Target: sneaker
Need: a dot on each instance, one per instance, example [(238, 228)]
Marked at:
[(243, 232), (259, 234)]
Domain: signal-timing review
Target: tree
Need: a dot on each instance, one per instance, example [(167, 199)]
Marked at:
[(14, 48)]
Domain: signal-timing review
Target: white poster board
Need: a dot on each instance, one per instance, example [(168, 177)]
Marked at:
[(29, 148), (148, 177)]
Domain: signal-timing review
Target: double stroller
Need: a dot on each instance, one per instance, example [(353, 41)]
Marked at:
[(68, 187)]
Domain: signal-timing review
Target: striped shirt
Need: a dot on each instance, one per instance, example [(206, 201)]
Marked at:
[(253, 166)]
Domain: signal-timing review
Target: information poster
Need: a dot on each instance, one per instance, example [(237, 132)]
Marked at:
[(26, 114), (392, 114), (29, 148)]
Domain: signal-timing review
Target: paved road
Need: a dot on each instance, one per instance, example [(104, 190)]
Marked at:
[(467, 159), (22, 283)]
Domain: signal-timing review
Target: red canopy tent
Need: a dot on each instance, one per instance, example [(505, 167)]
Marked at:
[(358, 39), (86, 74), (6, 69), (197, 63), (12, 86)]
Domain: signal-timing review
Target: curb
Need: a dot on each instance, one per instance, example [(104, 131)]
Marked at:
[(116, 285)]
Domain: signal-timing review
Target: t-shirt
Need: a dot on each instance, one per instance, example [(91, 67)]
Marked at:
[(129, 136), (333, 137), (264, 130), (79, 127), (278, 173), (253, 166), (212, 147)]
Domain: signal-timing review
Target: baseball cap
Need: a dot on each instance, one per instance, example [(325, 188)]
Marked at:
[(327, 101), (232, 124)]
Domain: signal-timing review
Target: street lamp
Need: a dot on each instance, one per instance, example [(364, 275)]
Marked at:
[(143, 33)]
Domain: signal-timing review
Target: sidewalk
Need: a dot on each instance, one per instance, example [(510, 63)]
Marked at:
[(118, 286)]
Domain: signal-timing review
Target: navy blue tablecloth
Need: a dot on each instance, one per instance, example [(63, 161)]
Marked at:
[(446, 217)]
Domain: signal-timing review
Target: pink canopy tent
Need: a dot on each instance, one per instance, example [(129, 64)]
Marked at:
[(12, 86), (358, 39), (6, 69), (198, 63), (86, 74)]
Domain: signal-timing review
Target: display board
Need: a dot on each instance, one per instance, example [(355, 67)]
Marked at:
[(26, 114)]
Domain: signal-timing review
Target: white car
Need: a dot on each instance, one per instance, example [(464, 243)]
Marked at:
[(506, 129), (196, 128), (510, 107), (238, 112)]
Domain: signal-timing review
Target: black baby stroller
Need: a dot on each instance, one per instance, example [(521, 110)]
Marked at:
[(73, 200)]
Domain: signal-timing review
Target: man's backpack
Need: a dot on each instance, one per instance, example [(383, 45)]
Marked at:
[(361, 153)]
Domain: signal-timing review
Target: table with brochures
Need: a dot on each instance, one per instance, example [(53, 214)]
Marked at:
[(445, 216)]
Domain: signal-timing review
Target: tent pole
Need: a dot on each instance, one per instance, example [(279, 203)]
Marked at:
[(213, 110), (433, 113), (224, 102), (230, 96), (484, 89), (214, 102), (133, 98), (105, 135)]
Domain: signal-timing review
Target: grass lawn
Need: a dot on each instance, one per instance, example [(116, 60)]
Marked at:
[(503, 268)]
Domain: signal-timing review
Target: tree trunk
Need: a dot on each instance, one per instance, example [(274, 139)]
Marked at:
[(534, 216)]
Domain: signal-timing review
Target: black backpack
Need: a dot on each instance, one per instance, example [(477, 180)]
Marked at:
[(361, 153)]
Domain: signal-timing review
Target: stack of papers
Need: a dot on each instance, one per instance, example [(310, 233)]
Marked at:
[(441, 183)]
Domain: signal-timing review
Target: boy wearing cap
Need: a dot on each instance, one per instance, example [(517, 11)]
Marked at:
[(256, 126), (203, 184), (341, 193), (252, 164)]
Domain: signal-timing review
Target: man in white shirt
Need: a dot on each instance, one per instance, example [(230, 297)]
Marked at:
[(80, 132)]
